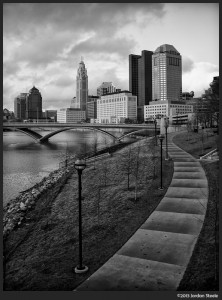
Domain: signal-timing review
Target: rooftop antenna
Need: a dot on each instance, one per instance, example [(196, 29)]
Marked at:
[(34, 79)]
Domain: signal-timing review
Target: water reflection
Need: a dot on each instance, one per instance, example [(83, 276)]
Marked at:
[(26, 162)]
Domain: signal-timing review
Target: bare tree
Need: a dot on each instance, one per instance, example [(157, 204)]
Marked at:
[(154, 155), (64, 157), (189, 129), (125, 163), (95, 147), (136, 167), (98, 204), (177, 122), (202, 140), (104, 165)]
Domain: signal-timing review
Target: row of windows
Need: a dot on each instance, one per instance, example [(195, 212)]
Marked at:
[(111, 109), (157, 109), (112, 104), (173, 61), (112, 100), (155, 61), (179, 108), (164, 105)]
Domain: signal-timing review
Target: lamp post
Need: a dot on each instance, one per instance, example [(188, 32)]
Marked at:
[(161, 138), (166, 124), (80, 166), (155, 130)]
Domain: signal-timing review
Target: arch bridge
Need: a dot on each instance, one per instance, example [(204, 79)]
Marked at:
[(27, 128)]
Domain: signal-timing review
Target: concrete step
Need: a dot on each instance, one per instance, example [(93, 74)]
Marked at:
[(185, 192), (183, 205), (166, 247), (174, 222), (188, 169), (187, 164), (188, 175), (125, 273), (184, 182)]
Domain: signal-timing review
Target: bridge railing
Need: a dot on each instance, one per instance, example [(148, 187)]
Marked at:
[(56, 124)]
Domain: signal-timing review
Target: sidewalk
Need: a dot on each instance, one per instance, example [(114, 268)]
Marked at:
[(156, 256)]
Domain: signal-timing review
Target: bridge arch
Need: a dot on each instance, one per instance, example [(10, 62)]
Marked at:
[(129, 133), (47, 136), (36, 136)]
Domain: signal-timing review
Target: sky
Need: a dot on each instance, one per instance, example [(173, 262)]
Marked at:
[(43, 44)]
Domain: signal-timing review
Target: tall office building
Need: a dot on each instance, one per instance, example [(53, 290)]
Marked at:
[(166, 74), (81, 86), (140, 79), (133, 74), (20, 106), (91, 107), (106, 88), (34, 104)]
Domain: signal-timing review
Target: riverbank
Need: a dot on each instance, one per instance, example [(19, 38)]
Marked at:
[(40, 254), (14, 212)]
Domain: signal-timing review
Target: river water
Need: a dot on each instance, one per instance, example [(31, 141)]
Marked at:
[(26, 162)]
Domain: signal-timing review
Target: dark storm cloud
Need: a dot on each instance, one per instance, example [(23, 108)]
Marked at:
[(69, 16), (187, 65), (46, 29), (43, 38)]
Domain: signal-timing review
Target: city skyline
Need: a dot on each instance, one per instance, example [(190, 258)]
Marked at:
[(43, 44)]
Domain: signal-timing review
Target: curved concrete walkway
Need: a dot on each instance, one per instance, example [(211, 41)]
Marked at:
[(156, 256)]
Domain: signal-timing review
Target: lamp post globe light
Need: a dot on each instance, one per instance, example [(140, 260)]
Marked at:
[(161, 138), (166, 124), (80, 166)]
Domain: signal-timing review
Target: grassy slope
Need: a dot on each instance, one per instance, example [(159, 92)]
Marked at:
[(44, 261), (191, 142), (200, 273)]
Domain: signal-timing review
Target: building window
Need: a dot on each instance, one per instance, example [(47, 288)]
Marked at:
[(155, 61)]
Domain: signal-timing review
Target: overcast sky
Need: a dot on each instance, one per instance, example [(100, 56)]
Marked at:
[(43, 44)]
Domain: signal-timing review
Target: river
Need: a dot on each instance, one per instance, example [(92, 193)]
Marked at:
[(26, 162)]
